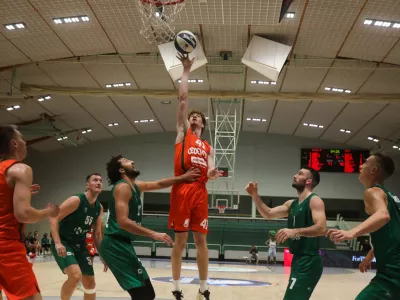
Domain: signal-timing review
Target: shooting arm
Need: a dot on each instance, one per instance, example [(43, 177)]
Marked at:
[(21, 175), (281, 211), (182, 122), (122, 196), (317, 207), (145, 186), (66, 208), (98, 229), (376, 199)]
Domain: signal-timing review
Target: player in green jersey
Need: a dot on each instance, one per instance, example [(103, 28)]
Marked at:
[(306, 222), (78, 214), (124, 224), (383, 224)]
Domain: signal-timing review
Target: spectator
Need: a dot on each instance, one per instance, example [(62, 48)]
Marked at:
[(254, 253), (27, 242), (34, 244), (45, 243)]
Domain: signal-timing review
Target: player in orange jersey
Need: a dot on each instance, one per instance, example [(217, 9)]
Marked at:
[(189, 201), (17, 279)]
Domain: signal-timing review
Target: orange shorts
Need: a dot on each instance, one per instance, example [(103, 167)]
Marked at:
[(189, 208), (16, 275)]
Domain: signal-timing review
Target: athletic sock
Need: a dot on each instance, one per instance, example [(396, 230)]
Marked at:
[(176, 285), (203, 286)]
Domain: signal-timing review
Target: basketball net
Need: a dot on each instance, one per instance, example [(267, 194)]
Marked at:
[(221, 209), (158, 17)]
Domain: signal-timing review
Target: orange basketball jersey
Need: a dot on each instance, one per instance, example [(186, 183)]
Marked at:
[(192, 152), (10, 228)]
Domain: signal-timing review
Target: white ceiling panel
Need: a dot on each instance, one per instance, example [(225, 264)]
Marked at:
[(46, 146), (136, 108), (81, 38), (253, 75), (385, 124), (325, 26), (347, 74), (353, 117), (260, 109), (371, 42), (7, 118), (150, 75), (108, 70), (393, 56), (287, 116), (121, 21), (165, 112), (384, 80), (105, 111), (220, 80), (305, 75), (319, 113), (10, 55), (68, 73), (225, 38)]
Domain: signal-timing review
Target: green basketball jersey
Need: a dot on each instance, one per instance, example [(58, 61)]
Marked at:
[(73, 228), (386, 240), (135, 214), (300, 217)]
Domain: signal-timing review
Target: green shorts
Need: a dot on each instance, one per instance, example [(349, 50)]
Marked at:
[(380, 288), (77, 254), (121, 258), (304, 276)]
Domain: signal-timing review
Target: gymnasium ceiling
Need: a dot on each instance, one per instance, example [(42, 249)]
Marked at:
[(331, 48)]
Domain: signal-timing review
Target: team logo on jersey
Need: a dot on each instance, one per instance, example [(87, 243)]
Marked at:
[(198, 161), (85, 209), (140, 271), (197, 151)]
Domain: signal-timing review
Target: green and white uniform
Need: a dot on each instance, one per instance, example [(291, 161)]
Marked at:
[(72, 231), (117, 249), (386, 244), (307, 263)]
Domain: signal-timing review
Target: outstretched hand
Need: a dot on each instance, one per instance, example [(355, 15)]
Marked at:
[(214, 173), (186, 62), (192, 175)]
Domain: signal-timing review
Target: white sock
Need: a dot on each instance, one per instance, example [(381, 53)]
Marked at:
[(176, 284), (203, 286)]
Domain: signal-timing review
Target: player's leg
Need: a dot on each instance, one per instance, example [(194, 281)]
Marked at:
[(89, 287), (17, 279), (305, 274), (199, 225), (85, 262), (127, 268), (176, 257), (379, 289)]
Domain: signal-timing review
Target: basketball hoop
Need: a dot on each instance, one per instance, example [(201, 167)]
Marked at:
[(158, 17), (221, 209)]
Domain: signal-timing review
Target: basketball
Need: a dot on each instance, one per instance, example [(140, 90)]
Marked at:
[(185, 42)]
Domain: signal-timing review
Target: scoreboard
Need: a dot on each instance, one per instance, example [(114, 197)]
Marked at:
[(334, 160)]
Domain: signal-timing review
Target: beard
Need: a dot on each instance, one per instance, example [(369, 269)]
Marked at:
[(299, 186), (132, 173)]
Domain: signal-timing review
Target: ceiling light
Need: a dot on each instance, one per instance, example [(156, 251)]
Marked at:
[(14, 26), (374, 139), (338, 90), (10, 108), (108, 85), (193, 81), (378, 23), (313, 125), (144, 121), (386, 24), (345, 130), (112, 124), (206, 118), (256, 119), (290, 15), (396, 147), (382, 23), (86, 131), (368, 22), (166, 102), (396, 25), (73, 19), (42, 98), (263, 82), (128, 84)]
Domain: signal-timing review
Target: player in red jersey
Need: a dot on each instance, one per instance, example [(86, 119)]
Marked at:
[(17, 279), (189, 201)]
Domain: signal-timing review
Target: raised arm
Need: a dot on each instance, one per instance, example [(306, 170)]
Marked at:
[(189, 176), (21, 177), (281, 211), (122, 196), (182, 123), (376, 203)]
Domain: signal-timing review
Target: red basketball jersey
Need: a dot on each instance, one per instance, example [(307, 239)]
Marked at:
[(192, 152), (10, 228)]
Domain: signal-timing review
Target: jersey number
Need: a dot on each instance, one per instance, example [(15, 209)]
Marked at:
[(293, 282), (204, 224), (201, 144), (88, 220), (89, 261)]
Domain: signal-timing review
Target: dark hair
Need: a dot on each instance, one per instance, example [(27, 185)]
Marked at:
[(385, 163), (113, 167), (90, 175), (314, 176), (203, 117), (7, 133)]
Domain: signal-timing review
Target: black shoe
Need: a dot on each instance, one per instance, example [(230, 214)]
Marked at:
[(178, 295), (204, 296)]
